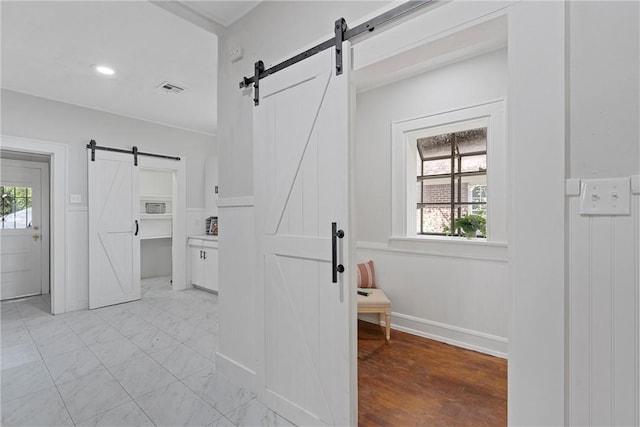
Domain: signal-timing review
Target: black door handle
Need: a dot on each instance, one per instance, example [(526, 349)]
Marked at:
[(137, 228), (335, 267)]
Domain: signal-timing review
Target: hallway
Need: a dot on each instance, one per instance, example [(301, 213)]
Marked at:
[(148, 362)]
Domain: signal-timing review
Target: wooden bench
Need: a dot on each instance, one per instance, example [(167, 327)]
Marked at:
[(377, 302)]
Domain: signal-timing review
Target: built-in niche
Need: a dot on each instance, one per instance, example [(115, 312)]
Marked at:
[(156, 214)]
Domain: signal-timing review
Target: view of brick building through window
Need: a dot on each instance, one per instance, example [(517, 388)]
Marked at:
[(451, 179)]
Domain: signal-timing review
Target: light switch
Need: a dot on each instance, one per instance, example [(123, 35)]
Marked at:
[(607, 196), (75, 198)]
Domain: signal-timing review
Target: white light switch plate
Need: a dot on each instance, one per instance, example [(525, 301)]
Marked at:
[(606, 196), (75, 198)]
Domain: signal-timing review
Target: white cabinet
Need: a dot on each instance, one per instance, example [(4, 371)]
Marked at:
[(204, 262)]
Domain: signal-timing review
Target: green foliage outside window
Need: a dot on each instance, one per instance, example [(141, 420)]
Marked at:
[(13, 201)]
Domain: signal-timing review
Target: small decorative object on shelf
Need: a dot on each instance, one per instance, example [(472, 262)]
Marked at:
[(155, 208), (212, 225)]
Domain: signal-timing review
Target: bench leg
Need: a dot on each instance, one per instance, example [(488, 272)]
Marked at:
[(388, 325)]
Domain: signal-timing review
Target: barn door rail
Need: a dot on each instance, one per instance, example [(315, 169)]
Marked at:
[(93, 146), (342, 33)]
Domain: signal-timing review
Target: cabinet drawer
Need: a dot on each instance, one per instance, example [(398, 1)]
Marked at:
[(195, 242), (210, 244)]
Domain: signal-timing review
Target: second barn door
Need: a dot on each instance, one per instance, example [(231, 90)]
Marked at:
[(114, 220)]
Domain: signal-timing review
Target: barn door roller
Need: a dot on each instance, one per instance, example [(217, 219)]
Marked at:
[(342, 33)]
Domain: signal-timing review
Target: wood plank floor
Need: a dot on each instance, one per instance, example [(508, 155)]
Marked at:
[(414, 381)]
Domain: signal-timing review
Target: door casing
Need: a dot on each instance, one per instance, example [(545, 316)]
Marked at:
[(58, 154)]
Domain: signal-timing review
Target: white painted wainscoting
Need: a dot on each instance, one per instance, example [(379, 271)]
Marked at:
[(77, 286), (450, 291), (236, 357), (603, 314)]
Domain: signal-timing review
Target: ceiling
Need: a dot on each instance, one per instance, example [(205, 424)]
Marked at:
[(49, 48)]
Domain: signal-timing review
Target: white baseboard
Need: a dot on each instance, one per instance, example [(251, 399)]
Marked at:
[(236, 372), (460, 337)]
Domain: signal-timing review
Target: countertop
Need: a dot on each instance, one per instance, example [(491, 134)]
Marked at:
[(204, 237)]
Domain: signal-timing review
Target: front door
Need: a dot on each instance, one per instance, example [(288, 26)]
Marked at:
[(24, 220), (114, 216), (301, 136)]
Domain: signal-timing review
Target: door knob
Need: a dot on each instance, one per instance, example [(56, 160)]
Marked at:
[(35, 237)]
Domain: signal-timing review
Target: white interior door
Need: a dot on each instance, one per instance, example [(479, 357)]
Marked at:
[(301, 132), (24, 229), (114, 217)]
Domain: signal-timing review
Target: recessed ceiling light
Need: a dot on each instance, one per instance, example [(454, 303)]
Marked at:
[(102, 69)]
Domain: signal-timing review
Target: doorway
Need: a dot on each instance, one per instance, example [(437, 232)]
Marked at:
[(535, 108), (132, 200), (444, 128), (57, 154), (156, 212), (24, 230)]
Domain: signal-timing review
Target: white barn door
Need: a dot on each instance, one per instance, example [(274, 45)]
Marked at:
[(114, 246), (301, 136)]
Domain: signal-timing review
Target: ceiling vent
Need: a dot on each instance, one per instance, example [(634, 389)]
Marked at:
[(170, 87)]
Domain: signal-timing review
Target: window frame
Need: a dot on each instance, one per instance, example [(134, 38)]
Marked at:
[(404, 167), (454, 176), (28, 203)]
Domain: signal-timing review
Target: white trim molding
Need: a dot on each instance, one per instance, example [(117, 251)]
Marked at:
[(403, 164), (635, 184), (236, 202), (444, 247), (58, 163)]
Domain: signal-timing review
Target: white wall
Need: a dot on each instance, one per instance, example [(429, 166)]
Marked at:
[(603, 318), (38, 118), (461, 298), (155, 258)]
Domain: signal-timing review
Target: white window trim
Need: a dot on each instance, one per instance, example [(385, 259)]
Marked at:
[(403, 173)]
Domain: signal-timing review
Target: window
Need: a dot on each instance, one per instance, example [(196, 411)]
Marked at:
[(452, 183), (16, 207), (449, 175)]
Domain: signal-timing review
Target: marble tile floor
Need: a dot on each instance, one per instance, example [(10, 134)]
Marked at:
[(148, 362)]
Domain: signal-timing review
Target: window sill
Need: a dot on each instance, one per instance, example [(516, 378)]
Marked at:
[(453, 240), (442, 246)]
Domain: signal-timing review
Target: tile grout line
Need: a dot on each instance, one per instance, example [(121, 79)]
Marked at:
[(44, 362), (157, 304), (116, 380)]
